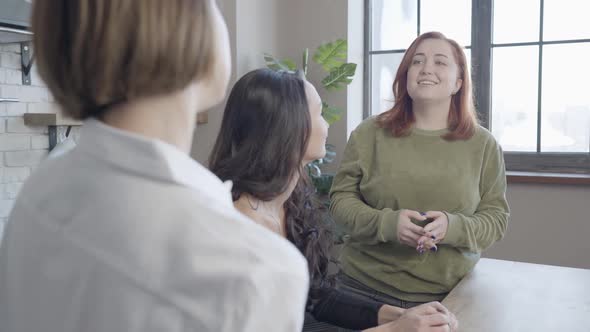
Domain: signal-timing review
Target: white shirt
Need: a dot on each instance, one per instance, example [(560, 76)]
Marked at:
[(125, 233)]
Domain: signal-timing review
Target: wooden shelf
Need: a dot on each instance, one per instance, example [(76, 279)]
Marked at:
[(52, 119), (548, 178), (49, 119)]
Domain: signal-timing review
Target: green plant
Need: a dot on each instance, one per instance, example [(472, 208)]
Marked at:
[(331, 58)]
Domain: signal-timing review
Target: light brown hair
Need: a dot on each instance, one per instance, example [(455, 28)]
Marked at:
[(93, 54), (462, 120)]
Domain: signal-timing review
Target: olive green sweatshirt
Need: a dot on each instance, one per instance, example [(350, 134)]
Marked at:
[(381, 175)]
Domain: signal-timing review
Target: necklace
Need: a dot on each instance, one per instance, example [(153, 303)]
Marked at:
[(274, 218), (255, 208)]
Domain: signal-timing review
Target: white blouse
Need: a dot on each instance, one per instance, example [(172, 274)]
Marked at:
[(126, 233)]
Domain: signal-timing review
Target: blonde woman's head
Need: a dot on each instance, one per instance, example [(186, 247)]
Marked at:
[(96, 54)]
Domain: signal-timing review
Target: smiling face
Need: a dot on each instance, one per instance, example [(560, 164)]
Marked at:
[(433, 74)]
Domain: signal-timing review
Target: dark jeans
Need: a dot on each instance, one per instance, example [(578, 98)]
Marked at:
[(352, 286)]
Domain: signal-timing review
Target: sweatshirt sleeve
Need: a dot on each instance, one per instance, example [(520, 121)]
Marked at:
[(488, 224), (361, 221), (329, 305)]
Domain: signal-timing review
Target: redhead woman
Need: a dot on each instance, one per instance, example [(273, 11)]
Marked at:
[(421, 188)]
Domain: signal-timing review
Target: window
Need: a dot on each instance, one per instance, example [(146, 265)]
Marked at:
[(531, 78), (396, 23)]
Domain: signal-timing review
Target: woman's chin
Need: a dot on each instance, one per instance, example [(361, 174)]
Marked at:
[(310, 158)]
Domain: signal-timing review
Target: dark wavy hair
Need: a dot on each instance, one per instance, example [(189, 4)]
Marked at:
[(260, 147)]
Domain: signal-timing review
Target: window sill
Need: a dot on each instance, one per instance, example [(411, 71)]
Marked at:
[(547, 178)]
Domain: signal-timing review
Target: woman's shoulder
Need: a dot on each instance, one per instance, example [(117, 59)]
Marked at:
[(483, 136), (367, 128)]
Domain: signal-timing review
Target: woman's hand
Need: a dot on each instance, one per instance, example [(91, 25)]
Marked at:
[(435, 231), (432, 308), (388, 313), (429, 317), (409, 233)]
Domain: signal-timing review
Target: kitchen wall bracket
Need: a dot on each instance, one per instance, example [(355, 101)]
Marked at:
[(26, 59)]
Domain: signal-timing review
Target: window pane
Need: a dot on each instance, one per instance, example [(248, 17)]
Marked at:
[(525, 12), (566, 19), (514, 97), (383, 70), (565, 116), (468, 56), (451, 17), (394, 24)]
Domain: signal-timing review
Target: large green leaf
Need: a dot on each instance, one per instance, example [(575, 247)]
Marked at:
[(331, 55), (290, 64), (339, 77), (276, 64), (331, 114)]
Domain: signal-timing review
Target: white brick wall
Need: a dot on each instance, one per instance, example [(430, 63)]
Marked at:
[(10, 190), (14, 174), (40, 142), (17, 125), (5, 207), (21, 147), (10, 142), (24, 158), (14, 48), (15, 109)]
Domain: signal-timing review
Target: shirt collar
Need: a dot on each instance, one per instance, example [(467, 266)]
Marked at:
[(149, 157)]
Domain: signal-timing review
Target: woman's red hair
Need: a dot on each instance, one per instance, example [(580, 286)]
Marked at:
[(462, 119)]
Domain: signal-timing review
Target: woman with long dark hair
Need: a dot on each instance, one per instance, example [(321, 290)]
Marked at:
[(272, 126)]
